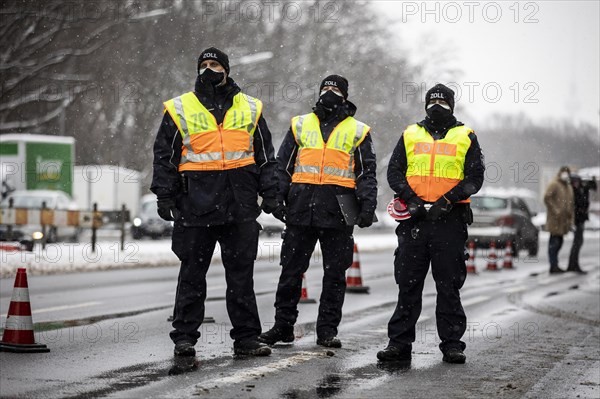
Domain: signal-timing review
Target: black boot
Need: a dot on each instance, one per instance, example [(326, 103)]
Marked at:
[(556, 270), (454, 355), (393, 353), (276, 334), (576, 269), (329, 342), (184, 348), (251, 347)]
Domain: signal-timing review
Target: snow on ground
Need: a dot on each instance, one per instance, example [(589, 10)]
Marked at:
[(78, 257)]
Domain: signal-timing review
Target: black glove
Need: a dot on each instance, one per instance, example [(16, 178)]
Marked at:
[(269, 205), (440, 207), (365, 219), (274, 207), (280, 213), (167, 209), (416, 208)]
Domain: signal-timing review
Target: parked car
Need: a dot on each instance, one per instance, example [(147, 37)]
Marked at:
[(33, 199), (502, 217), (148, 223)]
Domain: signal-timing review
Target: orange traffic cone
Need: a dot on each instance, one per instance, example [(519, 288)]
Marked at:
[(18, 332), (508, 262), (471, 262), (304, 296), (492, 258), (354, 279)]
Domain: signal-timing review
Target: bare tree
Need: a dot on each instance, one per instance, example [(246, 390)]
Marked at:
[(41, 47)]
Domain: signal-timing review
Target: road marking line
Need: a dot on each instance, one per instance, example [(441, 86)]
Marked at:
[(216, 287), (64, 307), (259, 371), (518, 288), (547, 280), (474, 300), (378, 330)]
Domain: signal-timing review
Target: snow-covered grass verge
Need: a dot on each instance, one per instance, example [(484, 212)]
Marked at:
[(78, 257)]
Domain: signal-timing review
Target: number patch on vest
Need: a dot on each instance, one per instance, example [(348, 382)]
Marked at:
[(199, 122), (239, 119), (341, 144), (312, 138)]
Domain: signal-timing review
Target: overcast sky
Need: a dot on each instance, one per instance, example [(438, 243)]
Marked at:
[(540, 58)]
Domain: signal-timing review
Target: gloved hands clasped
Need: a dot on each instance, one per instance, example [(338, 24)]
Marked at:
[(416, 208), (167, 209), (274, 207), (440, 207)]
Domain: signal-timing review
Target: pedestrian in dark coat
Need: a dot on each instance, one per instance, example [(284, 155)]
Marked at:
[(581, 192)]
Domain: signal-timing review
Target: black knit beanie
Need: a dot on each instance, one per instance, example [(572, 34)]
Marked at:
[(213, 53), (440, 92), (336, 81)]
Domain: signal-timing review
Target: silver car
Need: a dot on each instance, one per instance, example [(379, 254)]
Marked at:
[(148, 223), (500, 218)]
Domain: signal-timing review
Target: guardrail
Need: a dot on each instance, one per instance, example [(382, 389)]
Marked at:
[(48, 218)]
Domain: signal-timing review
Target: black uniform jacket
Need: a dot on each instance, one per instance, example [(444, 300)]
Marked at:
[(316, 204), (214, 197)]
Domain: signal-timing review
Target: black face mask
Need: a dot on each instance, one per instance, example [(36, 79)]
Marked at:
[(331, 100), (212, 77), (437, 113)]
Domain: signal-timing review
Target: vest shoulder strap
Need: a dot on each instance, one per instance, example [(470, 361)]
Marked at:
[(174, 107), (182, 97), (361, 130), (462, 130), (363, 125), (414, 128), (297, 122), (255, 103)]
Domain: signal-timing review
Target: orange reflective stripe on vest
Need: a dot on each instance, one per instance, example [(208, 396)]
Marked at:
[(211, 146), (318, 162), (435, 166)]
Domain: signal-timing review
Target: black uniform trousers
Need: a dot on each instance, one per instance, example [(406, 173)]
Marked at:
[(441, 242), (337, 246), (195, 247)]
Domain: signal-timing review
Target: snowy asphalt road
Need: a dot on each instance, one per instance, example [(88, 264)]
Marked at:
[(529, 335)]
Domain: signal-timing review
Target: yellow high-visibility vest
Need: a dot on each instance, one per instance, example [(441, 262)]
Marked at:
[(435, 166), (208, 145), (318, 162)]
